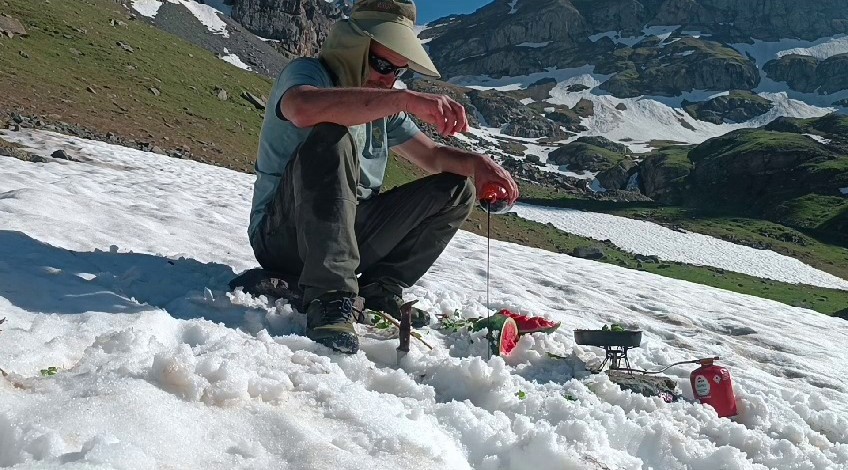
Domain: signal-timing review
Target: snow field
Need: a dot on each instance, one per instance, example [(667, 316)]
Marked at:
[(114, 269)]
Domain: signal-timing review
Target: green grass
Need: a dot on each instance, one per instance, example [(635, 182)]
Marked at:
[(76, 72), (812, 211), (674, 156)]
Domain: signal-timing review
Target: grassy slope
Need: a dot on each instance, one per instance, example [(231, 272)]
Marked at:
[(524, 232), (752, 232), (53, 83), (72, 47)]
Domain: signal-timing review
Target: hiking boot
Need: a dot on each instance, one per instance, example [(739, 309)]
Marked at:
[(330, 319), (380, 299)]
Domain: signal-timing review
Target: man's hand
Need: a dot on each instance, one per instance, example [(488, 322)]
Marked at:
[(445, 114), (486, 170)]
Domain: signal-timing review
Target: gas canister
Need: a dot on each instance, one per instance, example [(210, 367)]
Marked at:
[(712, 386)]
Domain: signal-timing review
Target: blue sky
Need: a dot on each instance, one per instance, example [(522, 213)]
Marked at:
[(429, 10)]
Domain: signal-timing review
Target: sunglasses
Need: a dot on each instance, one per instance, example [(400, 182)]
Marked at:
[(383, 66)]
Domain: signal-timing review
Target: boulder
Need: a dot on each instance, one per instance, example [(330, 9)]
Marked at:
[(588, 252), (647, 385), (11, 27)]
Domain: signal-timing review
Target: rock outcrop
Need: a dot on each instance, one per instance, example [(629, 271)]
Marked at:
[(663, 174), (810, 75), (737, 106), (588, 154), (757, 168), (511, 117), (301, 26), (659, 68)]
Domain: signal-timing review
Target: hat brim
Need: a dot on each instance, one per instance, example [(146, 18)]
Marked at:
[(401, 39)]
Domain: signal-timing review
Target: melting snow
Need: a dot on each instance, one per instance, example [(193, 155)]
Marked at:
[(234, 59), (818, 138), (206, 14), (844, 190)]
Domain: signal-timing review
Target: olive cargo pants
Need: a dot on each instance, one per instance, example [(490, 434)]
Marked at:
[(314, 227)]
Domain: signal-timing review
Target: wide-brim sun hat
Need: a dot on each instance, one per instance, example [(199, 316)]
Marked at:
[(392, 24)]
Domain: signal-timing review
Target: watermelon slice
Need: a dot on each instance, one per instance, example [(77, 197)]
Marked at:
[(530, 324), (508, 338)]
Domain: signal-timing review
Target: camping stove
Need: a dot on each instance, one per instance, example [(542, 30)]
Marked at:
[(616, 344)]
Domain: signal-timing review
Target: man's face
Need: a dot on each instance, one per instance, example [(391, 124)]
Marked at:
[(377, 79)]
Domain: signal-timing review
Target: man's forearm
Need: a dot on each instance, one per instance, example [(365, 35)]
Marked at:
[(452, 160), (307, 106)]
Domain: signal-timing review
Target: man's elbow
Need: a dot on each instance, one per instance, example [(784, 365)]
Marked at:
[(293, 108)]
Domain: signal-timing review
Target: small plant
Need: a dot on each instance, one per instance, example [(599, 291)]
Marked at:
[(521, 395), (380, 322), (455, 322), (615, 328), (50, 371)]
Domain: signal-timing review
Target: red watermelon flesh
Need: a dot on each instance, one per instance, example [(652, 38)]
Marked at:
[(530, 324), (508, 338)]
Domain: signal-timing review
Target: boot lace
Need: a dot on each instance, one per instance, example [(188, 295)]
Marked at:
[(340, 311)]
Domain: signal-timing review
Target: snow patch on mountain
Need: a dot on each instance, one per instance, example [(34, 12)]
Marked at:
[(763, 51), (660, 118), (206, 14), (821, 49), (512, 7), (662, 32), (485, 82), (645, 118), (148, 8), (220, 5), (818, 138)]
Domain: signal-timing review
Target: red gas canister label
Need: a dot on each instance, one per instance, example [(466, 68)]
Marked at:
[(702, 386)]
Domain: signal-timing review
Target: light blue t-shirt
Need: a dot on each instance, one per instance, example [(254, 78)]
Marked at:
[(280, 138)]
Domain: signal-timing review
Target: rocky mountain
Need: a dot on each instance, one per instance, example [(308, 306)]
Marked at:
[(655, 47)]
